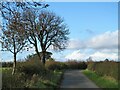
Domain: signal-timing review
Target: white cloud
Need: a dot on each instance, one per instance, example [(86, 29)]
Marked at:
[(103, 46), (107, 40), (109, 50), (76, 44), (76, 55), (96, 56), (102, 56)]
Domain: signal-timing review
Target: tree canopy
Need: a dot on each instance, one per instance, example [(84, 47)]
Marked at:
[(14, 29), (24, 23)]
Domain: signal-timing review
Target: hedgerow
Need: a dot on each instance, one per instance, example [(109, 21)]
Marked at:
[(105, 68)]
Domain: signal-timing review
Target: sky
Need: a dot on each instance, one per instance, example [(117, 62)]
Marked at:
[(93, 31)]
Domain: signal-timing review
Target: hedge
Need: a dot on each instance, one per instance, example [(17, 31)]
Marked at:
[(106, 68), (53, 65)]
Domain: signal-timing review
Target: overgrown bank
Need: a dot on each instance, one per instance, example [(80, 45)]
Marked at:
[(103, 73), (105, 68), (101, 81), (31, 74)]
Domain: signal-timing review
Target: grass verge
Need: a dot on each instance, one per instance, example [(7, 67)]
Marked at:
[(101, 81)]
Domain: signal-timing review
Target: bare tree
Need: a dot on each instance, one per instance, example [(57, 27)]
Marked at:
[(14, 37), (29, 17), (13, 26), (51, 31)]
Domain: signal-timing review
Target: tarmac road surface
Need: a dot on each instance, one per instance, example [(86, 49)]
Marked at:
[(76, 79)]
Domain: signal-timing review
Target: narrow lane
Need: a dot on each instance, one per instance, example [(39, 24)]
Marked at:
[(76, 79)]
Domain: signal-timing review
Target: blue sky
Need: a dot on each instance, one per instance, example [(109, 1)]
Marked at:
[(80, 17), (93, 26)]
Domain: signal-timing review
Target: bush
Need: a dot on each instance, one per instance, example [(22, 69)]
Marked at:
[(63, 65), (31, 74), (52, 65), (91, 65), (7, 64), (76, 65), (82, 65), (12, 81), (31, 67)]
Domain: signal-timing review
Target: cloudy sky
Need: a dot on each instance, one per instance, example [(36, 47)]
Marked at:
[(93, 31)]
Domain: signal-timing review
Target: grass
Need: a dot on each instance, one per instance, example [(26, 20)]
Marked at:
[(101, 81)]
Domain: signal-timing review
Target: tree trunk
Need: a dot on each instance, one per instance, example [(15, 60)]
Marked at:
[(36, 49), (14, 64), (43, 57)]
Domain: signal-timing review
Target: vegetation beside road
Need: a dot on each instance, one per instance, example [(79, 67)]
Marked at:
[(101, 81), (21, 80), (105, 68), (31, 73), (103, 73)]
